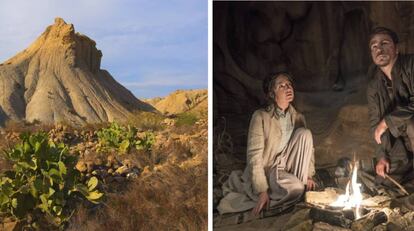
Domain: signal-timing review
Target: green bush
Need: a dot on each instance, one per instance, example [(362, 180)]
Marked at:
[(145, 141), (43, 181), (123, 138), (186, 118)]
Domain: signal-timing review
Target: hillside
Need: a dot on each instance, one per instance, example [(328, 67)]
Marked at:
[(182, 101), (58, 78)]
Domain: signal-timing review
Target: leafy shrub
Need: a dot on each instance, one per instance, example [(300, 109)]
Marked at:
[(186, 118), (145, 141), (43, 181), (123, 138)]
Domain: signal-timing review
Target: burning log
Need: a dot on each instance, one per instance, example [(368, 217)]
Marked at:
[(322, 198), (352, 197), (369, 221)]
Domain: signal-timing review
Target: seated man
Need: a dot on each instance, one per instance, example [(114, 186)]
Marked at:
[(390, 97), (280, 158)]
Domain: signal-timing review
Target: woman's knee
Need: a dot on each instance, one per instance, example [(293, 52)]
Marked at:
[(304, 133)]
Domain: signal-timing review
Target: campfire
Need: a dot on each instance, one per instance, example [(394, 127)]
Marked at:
[(347, 209), (352, 198)]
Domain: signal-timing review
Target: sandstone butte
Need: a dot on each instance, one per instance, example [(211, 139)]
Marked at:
[(58, 78), (182, 101)]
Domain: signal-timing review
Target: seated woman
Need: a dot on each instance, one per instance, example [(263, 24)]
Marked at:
[(280, 161)]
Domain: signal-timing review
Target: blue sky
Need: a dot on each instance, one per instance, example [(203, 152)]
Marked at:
[(150, 47)]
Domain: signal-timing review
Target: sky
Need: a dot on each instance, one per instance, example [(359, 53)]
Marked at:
[(151, 47)]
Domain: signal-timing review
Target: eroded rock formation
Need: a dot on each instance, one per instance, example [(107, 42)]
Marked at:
[(58, 78), (182, 101)]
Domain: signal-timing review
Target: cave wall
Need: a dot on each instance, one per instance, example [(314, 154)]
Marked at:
[(323, 44)]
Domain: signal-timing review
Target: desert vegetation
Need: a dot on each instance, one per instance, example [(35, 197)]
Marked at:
[(147, 173)]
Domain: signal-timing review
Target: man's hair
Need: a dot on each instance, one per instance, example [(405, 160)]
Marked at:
[(384, 30), (269, 81)]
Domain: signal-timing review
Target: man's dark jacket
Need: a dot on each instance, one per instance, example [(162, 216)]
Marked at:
[(395, 112)]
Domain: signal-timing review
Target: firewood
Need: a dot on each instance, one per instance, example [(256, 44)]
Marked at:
[(330, 216), (368, 181), (397, 184), (369, 221)]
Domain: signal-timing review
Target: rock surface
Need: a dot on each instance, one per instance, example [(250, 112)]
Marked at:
[(58, 78), (324, 46), (182, 101)]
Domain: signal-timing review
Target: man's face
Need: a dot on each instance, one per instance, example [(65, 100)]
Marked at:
[(383, 50), (283, 90)]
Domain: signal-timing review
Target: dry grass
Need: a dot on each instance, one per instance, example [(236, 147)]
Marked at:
[(171, 192), (169, 195), (170, 198), (147, 121), (23, 126)]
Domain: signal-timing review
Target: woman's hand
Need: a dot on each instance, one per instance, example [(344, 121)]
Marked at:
[(261, 203), (310, 185)]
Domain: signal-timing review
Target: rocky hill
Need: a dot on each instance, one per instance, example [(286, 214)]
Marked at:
[(58, 78), (182, 101)]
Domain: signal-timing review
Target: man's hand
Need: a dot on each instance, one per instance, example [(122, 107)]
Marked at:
[(382, 167), (381, 128), (261, 203), (310, 185)]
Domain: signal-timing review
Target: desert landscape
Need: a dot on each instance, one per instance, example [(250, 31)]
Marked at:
[(81, 152)]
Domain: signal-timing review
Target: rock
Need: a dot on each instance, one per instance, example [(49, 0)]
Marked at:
[(321, 226), (168, 122), (380, 228), (81, 166), (89, 165), (217, 196), (132, 175), (122, 170), (181, 101), (110, 160), (146, 170), (128, 163), (81, 147), (98, 161), (399, 222), (299, 221), (8, 224), (74, 88), (118, 179), (303, 226), (251, 40)]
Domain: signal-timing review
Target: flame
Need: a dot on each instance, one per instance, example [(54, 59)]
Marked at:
[(352, 197)]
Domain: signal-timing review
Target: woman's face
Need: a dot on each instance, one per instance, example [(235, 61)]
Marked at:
[(283, 90)]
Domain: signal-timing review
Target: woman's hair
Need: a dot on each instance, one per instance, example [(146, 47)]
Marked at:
[(269, 83)]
